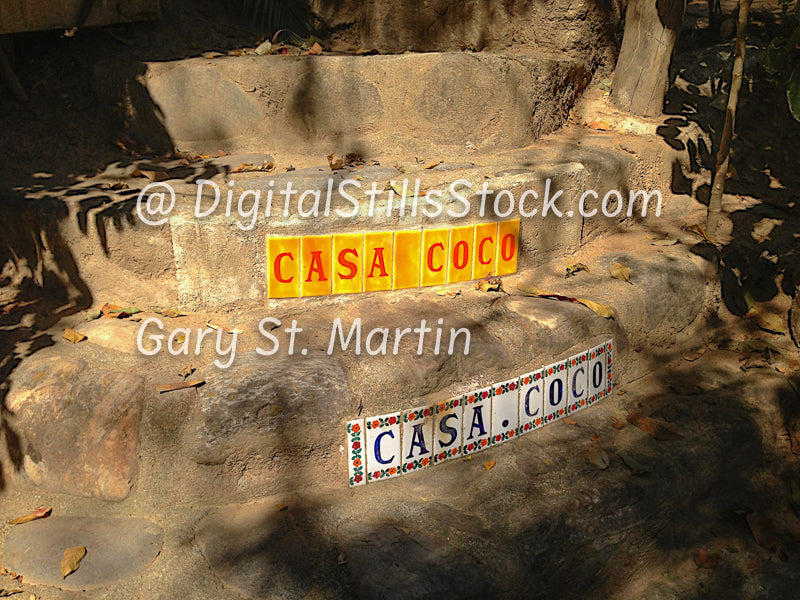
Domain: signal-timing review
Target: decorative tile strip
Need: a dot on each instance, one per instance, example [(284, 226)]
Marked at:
[(402, 442), (347, 263)]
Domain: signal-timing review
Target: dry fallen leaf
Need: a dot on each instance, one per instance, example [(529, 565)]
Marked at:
[(489, 284), (448, 293), (665, 242), (266, 166), (766, 320), (7, 593), (73, 336), (350, 160), (315, 50), (39, 513), (433, 164), (171, 387), (173, 313), (187, 371), (598, 457), (281, 507), (489, 464), (575, 268), (617, 424), (569, 421), (150, 174), (599, 125), (634, 465), (705, 559), (601, 309), (620, 272), (224, 329), (652, 427), (72, 560), (762, 530), (604, 310), (693, 356)]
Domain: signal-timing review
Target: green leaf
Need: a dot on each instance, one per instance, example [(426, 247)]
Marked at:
[(793, 93)]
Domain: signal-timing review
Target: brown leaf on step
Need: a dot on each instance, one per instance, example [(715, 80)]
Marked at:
[(405, 530), (212, 54), (173, 313), (617, 424), (187, 371), (604, 310), (39, 513), (315, 50), (172, 387), (598, 457), (281, 507), (620, 272), (762, 530), (599, 125), (699, 231), (766, 319), (221, 153), (653, 427), (664, 242), (693, 356), (575, 268), (350, 160), (448, 293), (569, 421), (634, 465), (150, 174), (266, 167), (73, 336), (72, 560), (601, 309), (705, 559), (489, 464), (7, 593), (433, 164), (225, 329), (489, 284)]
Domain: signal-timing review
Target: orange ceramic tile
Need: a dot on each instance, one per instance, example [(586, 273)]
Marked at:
[(378, 253), (484, 249), (348, 263), (315, 265), (507, 247), (460, 254), (407, 247), (283, 267), (434, 256)]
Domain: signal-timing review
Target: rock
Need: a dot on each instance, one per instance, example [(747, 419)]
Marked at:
[(77, 429), (114, 334), (287, 408), (264, 552), (389, 564), (115, 548)]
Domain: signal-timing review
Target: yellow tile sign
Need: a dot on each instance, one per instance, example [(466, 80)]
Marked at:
[(347, 263)]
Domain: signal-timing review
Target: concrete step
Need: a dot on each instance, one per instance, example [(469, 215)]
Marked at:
[(323, 104)]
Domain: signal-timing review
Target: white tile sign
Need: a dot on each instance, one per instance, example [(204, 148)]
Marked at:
[(393, 444)]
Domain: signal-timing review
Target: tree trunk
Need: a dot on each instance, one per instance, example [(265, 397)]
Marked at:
[(718, 187), (642, 73)]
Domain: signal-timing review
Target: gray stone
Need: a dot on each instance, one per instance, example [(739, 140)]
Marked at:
[(264, 552), (113, 334), (389, 564), (115, 549), (78, 428), (291, 408)]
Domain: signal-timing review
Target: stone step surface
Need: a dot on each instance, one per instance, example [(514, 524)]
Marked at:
[(347, 103)]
